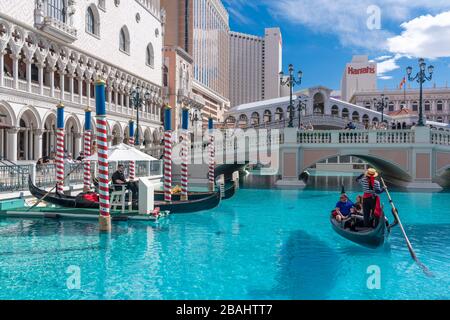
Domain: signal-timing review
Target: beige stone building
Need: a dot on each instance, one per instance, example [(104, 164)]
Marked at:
[(255, 64), (436, 101), (196, 64)]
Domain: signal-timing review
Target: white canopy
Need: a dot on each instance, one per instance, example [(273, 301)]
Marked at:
[(124, 152)]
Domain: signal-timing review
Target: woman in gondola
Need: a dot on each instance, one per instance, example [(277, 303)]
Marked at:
[(371, 200)]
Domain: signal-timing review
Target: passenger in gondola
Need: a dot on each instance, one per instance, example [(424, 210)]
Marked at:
[(344, 208), (118, 179), (371, 200)]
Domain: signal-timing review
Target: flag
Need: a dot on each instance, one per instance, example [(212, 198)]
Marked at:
[(402, 83)]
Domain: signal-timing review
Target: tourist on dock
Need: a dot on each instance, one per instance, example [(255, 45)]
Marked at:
[(343, 208), (68, 159), (393, 126), (404, 125), (399, 126), (371, 188), (81, 157), (119, 180)]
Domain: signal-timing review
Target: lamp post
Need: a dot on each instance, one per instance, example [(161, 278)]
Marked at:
[(138, 98), (300, 107), (193, 116), (291, 82), (381, 104), (421, 77)]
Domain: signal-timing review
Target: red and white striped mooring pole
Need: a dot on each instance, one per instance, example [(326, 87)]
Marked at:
[(102, 155), (87, 148), (132, 174), (168, 154), (212, 156), (184, 155), (60, 148)]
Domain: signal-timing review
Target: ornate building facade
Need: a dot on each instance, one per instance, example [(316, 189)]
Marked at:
[(55, 52), (196, 45), (436, 101)]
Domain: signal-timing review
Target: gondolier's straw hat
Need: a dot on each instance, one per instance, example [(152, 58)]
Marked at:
[(371, 172)]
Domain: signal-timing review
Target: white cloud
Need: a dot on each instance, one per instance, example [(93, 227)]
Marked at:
[(385, 78), (347, 19), (426, 36), (387, 65)]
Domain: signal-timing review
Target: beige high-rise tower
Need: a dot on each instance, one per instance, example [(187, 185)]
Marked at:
[(255, 64), (199, 29)]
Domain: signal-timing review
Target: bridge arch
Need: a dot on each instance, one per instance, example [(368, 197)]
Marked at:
[(255, 119), (391, 164), (335, 111)]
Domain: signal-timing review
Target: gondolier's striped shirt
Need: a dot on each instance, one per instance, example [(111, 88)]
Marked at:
[(364, 182)]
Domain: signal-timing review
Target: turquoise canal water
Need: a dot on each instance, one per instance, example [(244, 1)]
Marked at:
[(262, 244)]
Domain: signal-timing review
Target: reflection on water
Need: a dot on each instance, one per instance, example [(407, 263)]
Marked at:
[(318, 180)]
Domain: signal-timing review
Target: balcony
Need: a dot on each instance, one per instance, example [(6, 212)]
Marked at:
[(58, 29)]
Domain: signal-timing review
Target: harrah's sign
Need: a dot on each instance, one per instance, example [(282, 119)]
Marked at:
[(366, 70)]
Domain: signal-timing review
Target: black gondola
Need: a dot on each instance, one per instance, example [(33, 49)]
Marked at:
[(367, 237), (208, 201), (228, 169)]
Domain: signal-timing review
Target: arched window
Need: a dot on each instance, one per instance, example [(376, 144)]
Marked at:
[(355, 116), (427, 106), (391, 106), (415, 106), (93, 20), (345, 113), (439, 105), (335, 111), (150, 56), (57, 9), (90, 21), (367, 104), (124, 40)]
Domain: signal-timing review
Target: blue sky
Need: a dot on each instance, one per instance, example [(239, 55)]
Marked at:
[(320, 36)]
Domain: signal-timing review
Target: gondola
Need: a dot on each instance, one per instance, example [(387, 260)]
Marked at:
[(367, 237), (208, 201)]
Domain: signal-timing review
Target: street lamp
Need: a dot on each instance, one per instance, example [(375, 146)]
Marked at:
[(193, 116), (300, 107), (421, 77), (380, 105), (291, 82), (138, 98)]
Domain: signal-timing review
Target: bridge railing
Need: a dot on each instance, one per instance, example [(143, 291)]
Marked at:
[(440, 137), (356, 136)]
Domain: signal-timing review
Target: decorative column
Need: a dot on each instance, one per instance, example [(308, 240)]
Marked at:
[(61, 83), (87, 148), (102, 154), (60, 148), (41, 77), (212, 156), (11, 136), (38, 133), (168, 154), (52, 81), (71, 86), (2, 67), (15, 59), (131, 142), (28, 62), (88, 92), (184, 155), (80, 89)]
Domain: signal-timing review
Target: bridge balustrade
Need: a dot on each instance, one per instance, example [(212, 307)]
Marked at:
[(395, 136), (440, 138)]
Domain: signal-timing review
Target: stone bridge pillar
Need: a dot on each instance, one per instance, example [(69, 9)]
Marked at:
[(290, 161), (423, 162)]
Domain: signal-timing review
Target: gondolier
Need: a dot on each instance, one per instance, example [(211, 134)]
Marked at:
[(371, 188)]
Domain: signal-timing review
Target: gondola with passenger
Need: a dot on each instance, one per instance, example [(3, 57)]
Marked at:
[(205, 201)]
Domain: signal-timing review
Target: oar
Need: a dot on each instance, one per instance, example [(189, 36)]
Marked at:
[(51, 190), (399, 222)]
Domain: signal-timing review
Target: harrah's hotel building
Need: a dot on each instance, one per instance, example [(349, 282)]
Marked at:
[(359, 75)]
